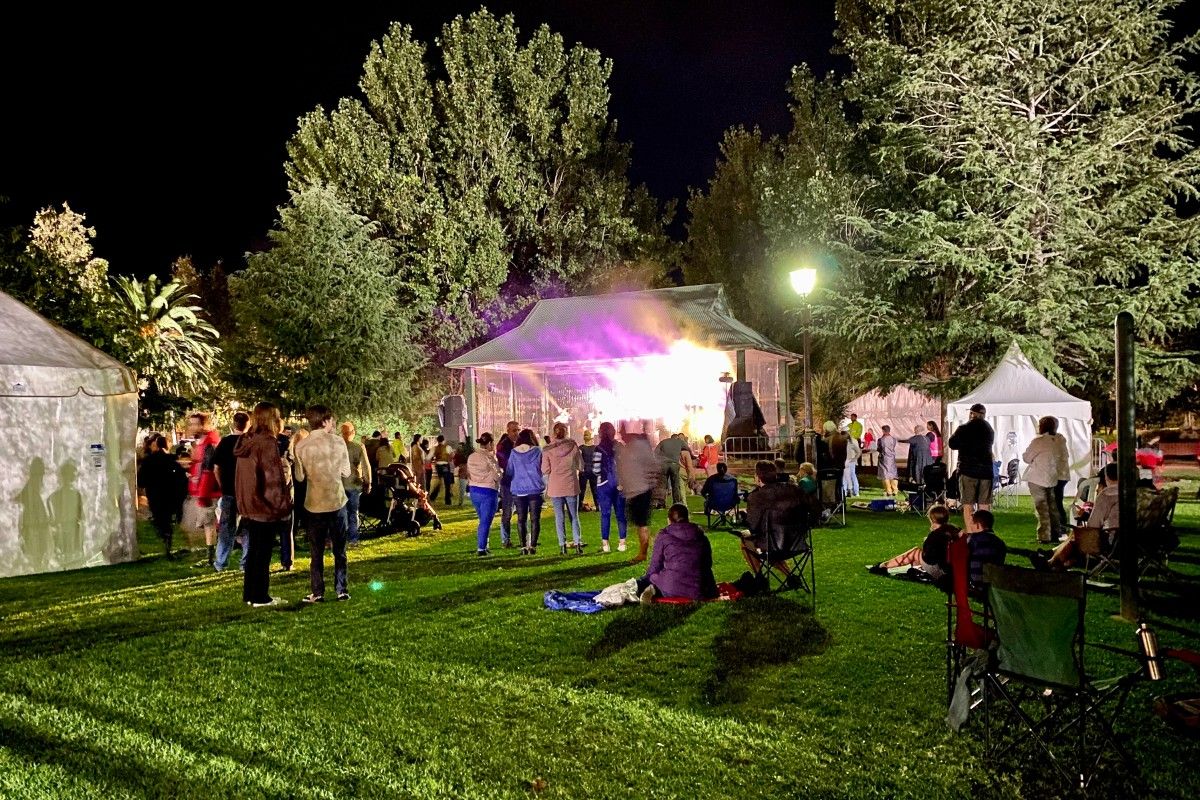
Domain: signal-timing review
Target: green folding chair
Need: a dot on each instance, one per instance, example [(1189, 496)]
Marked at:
[(1038, 694)]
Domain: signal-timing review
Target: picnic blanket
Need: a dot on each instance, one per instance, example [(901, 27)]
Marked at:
[(620, 594)]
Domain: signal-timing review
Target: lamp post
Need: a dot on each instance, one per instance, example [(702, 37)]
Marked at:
[(804, 280)]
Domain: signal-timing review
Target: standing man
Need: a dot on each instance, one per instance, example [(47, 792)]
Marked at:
[(443, 473), (322, 461), (669, 451), (587, 476), (637, 472), (225, 468), (359, 481), (856, 429), (973, 441), (202, 483), (504, 449)]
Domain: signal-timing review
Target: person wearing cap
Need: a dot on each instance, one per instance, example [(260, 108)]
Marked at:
[(587, 476), (484, 487), (973, 440)]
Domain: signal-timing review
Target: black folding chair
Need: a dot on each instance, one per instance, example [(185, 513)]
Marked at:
[(1038, 694), (723, 501), (788, 544), (833, 502), (933, 491)]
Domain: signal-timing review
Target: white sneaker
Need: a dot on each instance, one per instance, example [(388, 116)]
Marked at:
[(604, 547), (647, 597), (274, 601), (621, 546)]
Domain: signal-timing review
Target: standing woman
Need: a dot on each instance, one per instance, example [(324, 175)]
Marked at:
[(524, 472), (1064, 475), (608, 494), (484, 481), (560, 465), (263, 500), (1042, 456), (160, 475), (935, 440), (887, 462)]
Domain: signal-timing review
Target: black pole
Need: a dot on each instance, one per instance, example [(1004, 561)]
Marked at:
[(1126, 443)]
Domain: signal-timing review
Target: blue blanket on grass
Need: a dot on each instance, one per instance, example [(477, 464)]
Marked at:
[(579, 602)]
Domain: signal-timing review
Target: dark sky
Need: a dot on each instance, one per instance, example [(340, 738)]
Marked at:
[(170, 135)]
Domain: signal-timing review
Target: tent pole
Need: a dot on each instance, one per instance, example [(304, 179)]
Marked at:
[(1127, 479), (472, 411)]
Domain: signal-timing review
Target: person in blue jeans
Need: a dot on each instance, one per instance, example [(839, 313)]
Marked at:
[(358, 482), (560, 465), (608, 496), (484, 488), (524, 473), (225, 469)]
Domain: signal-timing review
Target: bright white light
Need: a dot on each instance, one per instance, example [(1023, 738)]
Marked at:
[(804, 280)]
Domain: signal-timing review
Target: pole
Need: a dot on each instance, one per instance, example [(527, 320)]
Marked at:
[(809, 449), (1127, 479), (472, 404)]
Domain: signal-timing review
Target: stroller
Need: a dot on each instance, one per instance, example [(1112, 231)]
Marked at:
[(398, 504)]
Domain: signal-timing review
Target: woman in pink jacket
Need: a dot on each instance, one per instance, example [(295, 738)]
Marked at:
[(560, 465)]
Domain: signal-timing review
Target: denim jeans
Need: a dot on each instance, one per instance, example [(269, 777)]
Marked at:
[(485, 501), (463, 492), (331, 525), (850, 486), (529, 518), (227, 528), (611, 501), (353, 496), (571, 506)]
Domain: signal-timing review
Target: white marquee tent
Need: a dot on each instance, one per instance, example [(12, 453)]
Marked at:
[(1016, 395), (67, 494)]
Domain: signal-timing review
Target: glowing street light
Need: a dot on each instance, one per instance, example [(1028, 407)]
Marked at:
[(804, 280)]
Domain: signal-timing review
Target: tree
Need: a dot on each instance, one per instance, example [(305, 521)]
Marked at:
[(56, 274), (489, 165), (1025, 167), (165, 338), (317, 318)]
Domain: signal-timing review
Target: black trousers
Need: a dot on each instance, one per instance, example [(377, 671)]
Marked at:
[(529, 518), (256, 581), (163, 519), (331, 525), (586, 479)]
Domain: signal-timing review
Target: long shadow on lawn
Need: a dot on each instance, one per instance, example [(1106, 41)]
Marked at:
[(627, 629), (761, 632)]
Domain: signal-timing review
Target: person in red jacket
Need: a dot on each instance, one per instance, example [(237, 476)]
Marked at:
[(202, 483)]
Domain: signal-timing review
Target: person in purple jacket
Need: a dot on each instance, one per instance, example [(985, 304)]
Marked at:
[(681, 564)]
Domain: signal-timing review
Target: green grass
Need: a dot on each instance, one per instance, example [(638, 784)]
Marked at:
[(152, 680)]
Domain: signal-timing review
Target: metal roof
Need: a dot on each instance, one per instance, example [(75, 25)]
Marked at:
[(625, 325)]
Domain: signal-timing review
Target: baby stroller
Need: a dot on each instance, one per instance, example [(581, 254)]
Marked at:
[(400, 503)]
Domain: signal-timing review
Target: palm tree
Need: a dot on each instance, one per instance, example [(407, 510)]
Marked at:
[(162, 336)]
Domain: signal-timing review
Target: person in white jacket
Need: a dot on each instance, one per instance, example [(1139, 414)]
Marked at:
[(484, 487), (1044, 457)]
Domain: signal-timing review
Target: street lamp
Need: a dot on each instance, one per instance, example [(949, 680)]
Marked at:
[(804, 280)]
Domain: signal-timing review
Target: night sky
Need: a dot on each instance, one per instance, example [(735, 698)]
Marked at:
[(170, 134)]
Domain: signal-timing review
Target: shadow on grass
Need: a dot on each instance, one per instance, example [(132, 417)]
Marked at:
[(761, 632), (639, 626)]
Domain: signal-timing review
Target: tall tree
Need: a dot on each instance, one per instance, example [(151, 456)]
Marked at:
[(317, 319), (1027, 163), (489, 164)]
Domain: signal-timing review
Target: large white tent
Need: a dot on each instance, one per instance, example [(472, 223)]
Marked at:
[(1016, 395), (67, 494)]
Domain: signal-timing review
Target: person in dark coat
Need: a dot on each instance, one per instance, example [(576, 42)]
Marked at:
[(264, 499), (919, 455), (165, 483), (681, 565)]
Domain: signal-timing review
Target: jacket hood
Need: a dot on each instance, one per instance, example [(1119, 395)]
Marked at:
[(570, 444), (522, 448), (685, 530)]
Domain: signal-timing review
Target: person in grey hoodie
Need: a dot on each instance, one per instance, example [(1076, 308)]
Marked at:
[(524, 474), (560, 465)]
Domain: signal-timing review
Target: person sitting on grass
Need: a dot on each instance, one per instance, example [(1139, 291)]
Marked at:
[(983, 547), (931, 558), (681, 562), (787, 503)]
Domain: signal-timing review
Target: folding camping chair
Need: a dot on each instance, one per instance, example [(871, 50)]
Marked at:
[(933, 489), (965, 631), (723, 500), (1006, 483), (1156, 538), (789, 544), (1037, 689), (833, 502)]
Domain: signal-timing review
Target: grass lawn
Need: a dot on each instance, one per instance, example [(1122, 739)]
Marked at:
[(449, 679)]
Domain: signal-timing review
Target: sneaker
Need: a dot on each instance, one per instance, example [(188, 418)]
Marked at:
[(343, 596), (621, 546), (877, 569), (647, 597), (483, 553), (274, 601), (313, 598), (604, 548)]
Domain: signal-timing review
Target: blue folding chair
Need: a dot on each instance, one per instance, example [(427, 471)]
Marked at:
[(723, 501)]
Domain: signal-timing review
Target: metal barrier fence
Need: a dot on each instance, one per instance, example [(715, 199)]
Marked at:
[(748, 449)]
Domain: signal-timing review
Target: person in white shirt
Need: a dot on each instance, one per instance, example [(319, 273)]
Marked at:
[(1044, 457)]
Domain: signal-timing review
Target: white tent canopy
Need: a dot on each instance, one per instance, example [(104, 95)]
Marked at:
[(1016, 395), (67, 494)]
